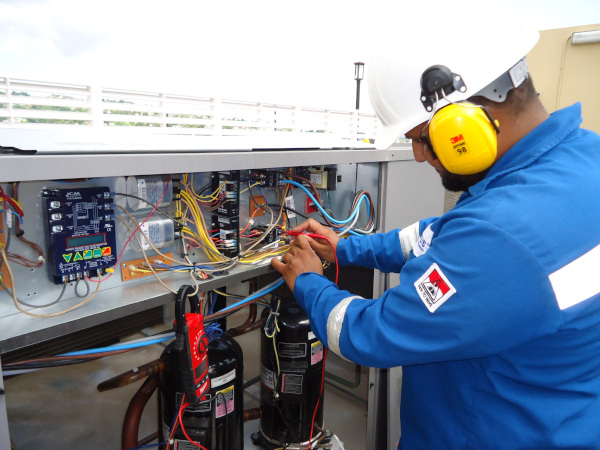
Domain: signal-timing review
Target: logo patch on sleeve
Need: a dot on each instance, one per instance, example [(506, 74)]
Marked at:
[(434, 288)]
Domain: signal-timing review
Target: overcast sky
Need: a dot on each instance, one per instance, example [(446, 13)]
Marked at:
[(286, 52)]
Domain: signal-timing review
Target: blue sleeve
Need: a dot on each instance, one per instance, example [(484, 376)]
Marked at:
[(468, 296), (386, 252)]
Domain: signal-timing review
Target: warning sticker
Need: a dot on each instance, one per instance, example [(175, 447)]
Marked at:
[(267, 377), (224, 402), (293, 350), (434, 288), (291, 383), (316, 352)]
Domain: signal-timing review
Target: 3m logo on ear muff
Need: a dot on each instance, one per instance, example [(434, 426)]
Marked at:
[(455, 139), (463, 135), (459, 145)]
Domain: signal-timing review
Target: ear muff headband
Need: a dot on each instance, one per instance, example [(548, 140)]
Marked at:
[(464, 138)]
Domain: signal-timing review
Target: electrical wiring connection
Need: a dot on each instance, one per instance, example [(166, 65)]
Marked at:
[(363, 197), (9, 292), (139, 226), (271, 329), (179, 423), (261, 292), (319, 236), (17, 211), (16, 301)]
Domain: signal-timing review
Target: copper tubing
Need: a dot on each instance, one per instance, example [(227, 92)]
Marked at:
[(131, 424), (143, 371), (64, 358), (252, 414), (250, 324)]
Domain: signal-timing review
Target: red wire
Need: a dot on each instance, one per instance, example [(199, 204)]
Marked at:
[(312, 425), (185, 405), (319, 236), (133, 234), (176, 423), (337, 272), (13, 203)]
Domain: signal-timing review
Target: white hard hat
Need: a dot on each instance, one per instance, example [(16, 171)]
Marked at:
[(476, 40)]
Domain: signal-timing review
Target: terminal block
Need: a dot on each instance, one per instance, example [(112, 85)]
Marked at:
[(226, 218), (266, 178)]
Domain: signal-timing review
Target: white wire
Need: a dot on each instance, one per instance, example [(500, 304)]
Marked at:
[(8, 373), (149, 338), (351, 225), (339, 442)]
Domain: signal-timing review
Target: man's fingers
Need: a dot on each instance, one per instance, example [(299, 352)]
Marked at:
[(277, 265), (302, 242)]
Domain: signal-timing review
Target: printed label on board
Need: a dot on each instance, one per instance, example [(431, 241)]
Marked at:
[(223, 379), (155, 234), (224, 402), (316, 352), (291, 383), (267, 377), (289, 203), (292, 350)]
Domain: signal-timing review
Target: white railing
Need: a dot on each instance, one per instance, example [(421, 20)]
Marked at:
[(40, 104)]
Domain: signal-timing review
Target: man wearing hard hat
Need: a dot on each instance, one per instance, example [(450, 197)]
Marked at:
[(496, 320)]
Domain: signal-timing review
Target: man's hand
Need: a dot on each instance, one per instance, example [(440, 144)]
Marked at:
[(320, 246), (299, 259)]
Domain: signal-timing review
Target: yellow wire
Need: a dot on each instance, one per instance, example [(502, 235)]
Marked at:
[(279, 251), (201, 226), (251, 186), (273, 337), (212, 196)]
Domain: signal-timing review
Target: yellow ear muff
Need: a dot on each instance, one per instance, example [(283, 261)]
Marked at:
[(464, 138)]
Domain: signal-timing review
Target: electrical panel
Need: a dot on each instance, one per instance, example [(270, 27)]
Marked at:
[(226, 219), (81, 232)]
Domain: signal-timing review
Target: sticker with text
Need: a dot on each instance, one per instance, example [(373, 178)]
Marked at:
[(434, 288)]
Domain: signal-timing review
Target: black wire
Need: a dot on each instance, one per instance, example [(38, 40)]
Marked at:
[(150, 204), (300, 214)]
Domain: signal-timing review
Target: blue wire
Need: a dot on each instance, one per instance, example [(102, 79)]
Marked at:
[(262, 193), (316, 203), (149, 445), (253, 296), (117, 347), (14, 213)]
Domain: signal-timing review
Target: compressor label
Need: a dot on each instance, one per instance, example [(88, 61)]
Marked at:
[(267, 377), (224, 402), (316, 352), (291, 383), (295, 350), (223, 379)]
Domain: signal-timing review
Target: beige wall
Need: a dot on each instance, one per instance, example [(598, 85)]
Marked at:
[(564, 74)]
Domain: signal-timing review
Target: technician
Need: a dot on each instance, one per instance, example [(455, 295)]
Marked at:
[(496, 320)]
